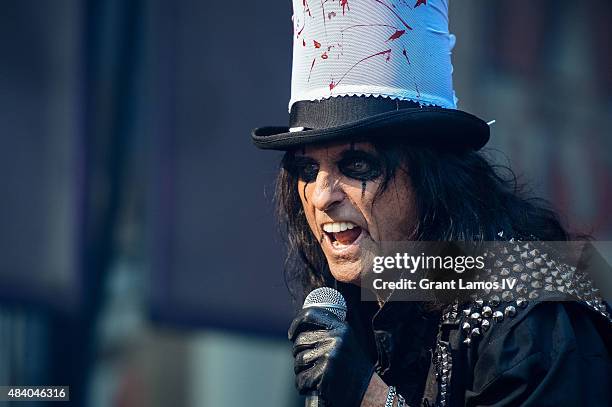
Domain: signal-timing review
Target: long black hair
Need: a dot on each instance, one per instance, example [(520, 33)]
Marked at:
[(459, 196)]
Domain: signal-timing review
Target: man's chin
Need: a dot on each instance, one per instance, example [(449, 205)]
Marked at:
[(349, 276)]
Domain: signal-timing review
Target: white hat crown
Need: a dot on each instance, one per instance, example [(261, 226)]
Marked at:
[(398, 49)]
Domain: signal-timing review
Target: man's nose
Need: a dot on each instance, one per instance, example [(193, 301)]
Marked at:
[(327, 191)]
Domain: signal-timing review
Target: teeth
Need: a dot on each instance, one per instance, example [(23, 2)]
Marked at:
[(336, 227)]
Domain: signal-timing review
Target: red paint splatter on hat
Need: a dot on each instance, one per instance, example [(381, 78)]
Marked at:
[(316, 44), (386, 53), (306, 7), (406, 55), (300, 32), (419, 2), (311, 66), (396, 35), (332, 85), (344, 4), (395, 13), (324, 55), (324, 19)]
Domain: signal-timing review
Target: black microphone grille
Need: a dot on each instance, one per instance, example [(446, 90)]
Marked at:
[(329, 299)]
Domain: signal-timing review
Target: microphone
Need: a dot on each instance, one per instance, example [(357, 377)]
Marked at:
[(331, 300)]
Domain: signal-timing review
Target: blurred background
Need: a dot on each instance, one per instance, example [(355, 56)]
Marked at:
[(140, 263)]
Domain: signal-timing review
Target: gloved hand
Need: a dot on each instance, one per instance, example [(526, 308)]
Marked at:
[(328, 358)]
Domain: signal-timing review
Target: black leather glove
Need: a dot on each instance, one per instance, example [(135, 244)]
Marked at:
[(328, 359)]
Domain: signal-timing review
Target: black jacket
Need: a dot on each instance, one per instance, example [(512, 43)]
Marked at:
[(548, 346)]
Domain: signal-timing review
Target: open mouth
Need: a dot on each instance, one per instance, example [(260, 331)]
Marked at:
[(342, 233)]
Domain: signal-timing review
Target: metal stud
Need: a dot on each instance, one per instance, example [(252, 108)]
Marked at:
[(510, 311), (517, 268), (466, 327), (475, 333), (498, 316), (485, 324), (467, 341), (494, 300), (534, 252), (487, 311), (531, 265), (467, 312), (533, 295), (479, 302), (504, 272), (507, 296), (511, 259), (525, 277), (536, 284), (521, 302)]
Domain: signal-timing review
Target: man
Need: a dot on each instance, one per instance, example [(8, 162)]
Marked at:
[(378, 152)]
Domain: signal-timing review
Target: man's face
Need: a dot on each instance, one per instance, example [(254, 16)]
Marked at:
[(339, 185)]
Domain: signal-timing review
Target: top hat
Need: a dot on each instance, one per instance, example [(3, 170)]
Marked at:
[(373, 68)]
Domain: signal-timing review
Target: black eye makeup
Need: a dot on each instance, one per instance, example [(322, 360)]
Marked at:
[(304, 168), (360, 165), (355, 164)]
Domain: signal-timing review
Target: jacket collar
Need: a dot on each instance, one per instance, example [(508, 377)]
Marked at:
[(405, 334)]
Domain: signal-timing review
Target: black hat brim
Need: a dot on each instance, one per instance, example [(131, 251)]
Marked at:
[(439, 127)]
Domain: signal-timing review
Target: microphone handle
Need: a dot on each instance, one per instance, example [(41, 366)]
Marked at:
[(312, 400)]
